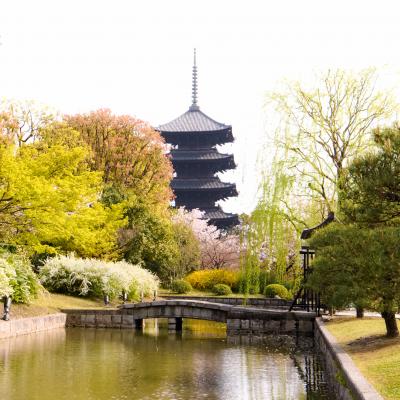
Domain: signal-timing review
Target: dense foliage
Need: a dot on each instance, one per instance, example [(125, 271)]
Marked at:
[(206, 279), (128, 152), (221, 289), (91, 277), (49, 201), (17, 278), (359, 261), (274, 290), (181, 286)]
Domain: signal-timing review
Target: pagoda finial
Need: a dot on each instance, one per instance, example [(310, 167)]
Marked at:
[(194, 105)]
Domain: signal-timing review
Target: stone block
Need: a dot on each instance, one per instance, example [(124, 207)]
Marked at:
[(244, 324), (205, 314), (169, 311), (234, 323), (256, 325), (107, 320), (153, 312), (127, 320), (187, 312), (141, 313), (288, 326), (306, 326), (272, 326), (116, 320), (90, 320), (178, 311)]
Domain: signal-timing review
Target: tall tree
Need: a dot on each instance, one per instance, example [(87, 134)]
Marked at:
[(360, 260), (49, 201), (356, 265), (148, 237), (128, 151), (217, 250), (325, 126)]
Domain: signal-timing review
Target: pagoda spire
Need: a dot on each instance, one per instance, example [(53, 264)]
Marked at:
[(194, 106)]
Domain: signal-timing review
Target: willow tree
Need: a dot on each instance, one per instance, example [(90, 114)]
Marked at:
[(270, 234), (324, 126)]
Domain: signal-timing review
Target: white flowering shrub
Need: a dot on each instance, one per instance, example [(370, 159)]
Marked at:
[(92, 277), (6, 273), (17, 278)]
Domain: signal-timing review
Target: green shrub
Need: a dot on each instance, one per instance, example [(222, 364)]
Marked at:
[(221, 289), (17, 278), (91, 277), (180, 286), (206, 279), (276, 290)]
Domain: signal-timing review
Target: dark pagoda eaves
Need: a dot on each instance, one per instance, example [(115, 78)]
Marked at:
[(221, 219), (217, 213), (201, 184), (193, 121), (198, 155)]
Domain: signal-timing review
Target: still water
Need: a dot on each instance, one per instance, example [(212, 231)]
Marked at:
[(200, 363)]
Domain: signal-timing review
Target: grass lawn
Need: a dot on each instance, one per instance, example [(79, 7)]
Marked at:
[(377, 357), (49, 303)]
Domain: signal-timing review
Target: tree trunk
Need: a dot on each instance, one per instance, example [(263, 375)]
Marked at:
[(360, 312), (391, 324)]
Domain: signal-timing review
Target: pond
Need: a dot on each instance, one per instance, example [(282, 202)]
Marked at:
[(200, 363)]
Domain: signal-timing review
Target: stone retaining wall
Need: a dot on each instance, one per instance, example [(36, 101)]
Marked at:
[(344, 377), (25, 326)]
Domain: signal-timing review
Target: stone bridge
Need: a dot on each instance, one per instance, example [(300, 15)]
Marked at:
[(239, 319)]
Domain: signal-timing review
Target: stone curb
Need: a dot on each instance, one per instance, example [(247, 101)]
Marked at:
[(359, 386), (24, 326)]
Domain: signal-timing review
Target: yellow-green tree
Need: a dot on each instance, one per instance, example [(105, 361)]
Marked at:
[(49, 201)]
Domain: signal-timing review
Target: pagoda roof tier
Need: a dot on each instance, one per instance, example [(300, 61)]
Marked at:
[(202, 184), (220, 218), (193, 120), (199, 155)]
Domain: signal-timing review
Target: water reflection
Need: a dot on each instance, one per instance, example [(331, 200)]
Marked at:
[(120, 364)]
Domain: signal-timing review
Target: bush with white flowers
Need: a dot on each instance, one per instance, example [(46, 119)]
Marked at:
[(92, 277), (17, 278), (6, 273)]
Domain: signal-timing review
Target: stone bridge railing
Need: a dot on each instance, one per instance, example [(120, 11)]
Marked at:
[(239, 320)]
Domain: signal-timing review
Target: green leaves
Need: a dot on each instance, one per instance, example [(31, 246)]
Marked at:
[(49, 201), (357, 265), (370, 187)]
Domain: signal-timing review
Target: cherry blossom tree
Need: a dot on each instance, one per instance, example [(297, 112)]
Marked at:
[(217, 249)]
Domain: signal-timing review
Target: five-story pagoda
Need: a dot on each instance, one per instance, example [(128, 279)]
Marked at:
[(193, 138)]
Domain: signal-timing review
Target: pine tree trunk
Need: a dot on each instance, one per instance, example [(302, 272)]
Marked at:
[(360, 312), (391, 324)]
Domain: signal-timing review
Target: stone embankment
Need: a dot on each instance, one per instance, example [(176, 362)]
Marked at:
[(344, 377), (25, 326)]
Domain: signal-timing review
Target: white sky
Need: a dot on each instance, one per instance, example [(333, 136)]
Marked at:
[(136, 56)]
